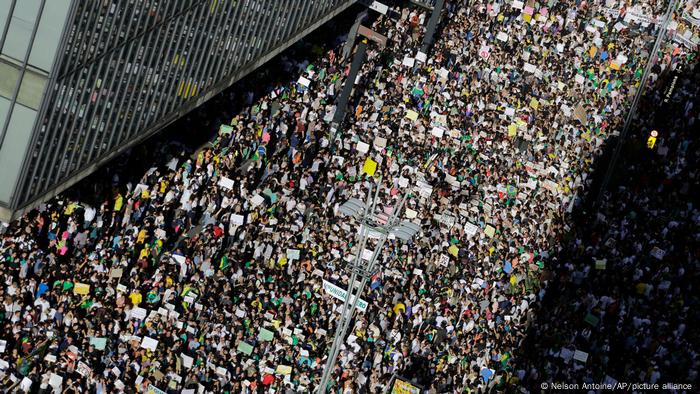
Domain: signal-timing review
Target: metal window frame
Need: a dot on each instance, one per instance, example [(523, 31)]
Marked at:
[(229, 59), (106, 116), (282, 10), (165, 83), (215, 43), (77, 47), (196, 50), (20, 188), (115, 116), (22, 72), (52, 130), (90, 135), (195, 17), (263, 29), (152, 85), (135, 98), (204, 57), (174, 73), (252, 31), (219, 65), (7, 25), (291, 28)]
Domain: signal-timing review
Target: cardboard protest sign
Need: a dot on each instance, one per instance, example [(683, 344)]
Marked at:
[(410, 213), (470, 229), (362, 147), (149, 343), (83, 369), (245, 348), (265, 335), (283, 369), (591, 319), (370, 167), (138, 313), (453, 250), (226, 183), (379, 142), (237, 220), (304, 82), (56, 381), (81, 288), (580, 356), (187, 361), (438, 132), (512, 130), (257, 200), (293, 254), (98, 343)]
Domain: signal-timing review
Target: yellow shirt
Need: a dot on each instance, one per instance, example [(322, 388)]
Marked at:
[(136, 298), (141, 237), (118, 203)]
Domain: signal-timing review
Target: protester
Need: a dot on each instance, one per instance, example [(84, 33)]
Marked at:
[(209, 273)]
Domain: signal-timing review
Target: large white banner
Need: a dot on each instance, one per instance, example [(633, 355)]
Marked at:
[(342, 294)]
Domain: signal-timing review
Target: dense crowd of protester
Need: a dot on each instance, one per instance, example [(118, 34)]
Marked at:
[(209, 274), (624, 293)]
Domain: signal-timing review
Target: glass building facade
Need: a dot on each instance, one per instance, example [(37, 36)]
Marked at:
[(82, 80)]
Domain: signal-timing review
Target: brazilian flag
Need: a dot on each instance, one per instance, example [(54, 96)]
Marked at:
[(223, 264), (25, 365)]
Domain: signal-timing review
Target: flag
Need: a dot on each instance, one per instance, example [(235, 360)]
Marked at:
[(25, 365), (223, 264)]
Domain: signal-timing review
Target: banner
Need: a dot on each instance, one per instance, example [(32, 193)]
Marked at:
[(403, 387), (342, 294), (372, 35), (154, 390)]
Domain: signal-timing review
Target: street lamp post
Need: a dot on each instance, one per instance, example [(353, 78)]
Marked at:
[(362, 270)]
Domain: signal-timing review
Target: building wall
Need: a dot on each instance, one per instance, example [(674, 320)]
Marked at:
[(30, 31), (129, 67)]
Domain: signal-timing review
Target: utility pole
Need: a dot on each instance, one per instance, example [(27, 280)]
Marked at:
[(344, 97), (432, 26), (362, 270)]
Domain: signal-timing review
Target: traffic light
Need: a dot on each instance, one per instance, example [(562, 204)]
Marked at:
[(652, 139)]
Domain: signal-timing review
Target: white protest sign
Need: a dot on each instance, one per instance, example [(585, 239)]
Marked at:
[(304, 82), (362, 147), (257, 200), (580, 356), (149, 343), (226, 182), (470, 229), (438, 132), (237, 219), (187, 361), (138, 313), (83, 369), (379, 7)]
